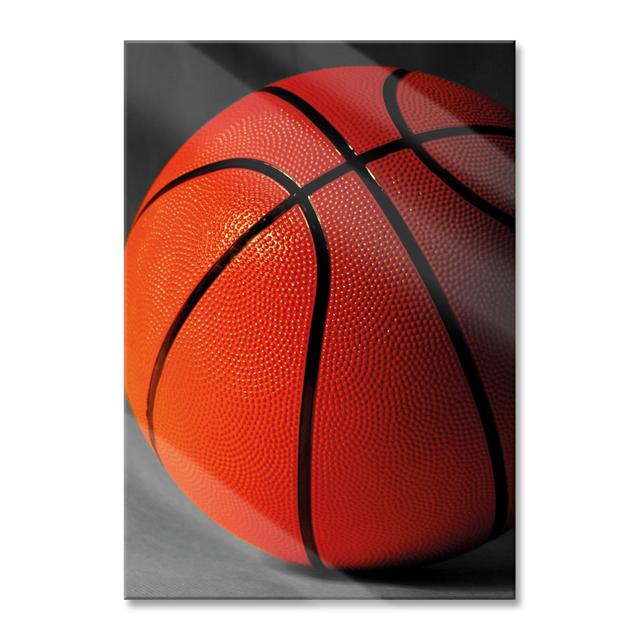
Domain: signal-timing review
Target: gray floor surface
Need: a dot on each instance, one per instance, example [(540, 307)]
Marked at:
[(174, 551)]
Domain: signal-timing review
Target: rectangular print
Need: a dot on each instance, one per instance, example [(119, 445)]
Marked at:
[(320, 320)]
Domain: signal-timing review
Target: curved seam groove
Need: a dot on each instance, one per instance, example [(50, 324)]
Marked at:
[(259, 166), (196, 295), (414, 142), (376, 153), (436, 293), (312, 369), (316, 332)]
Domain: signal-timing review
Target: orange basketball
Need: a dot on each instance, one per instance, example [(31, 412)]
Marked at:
[(320, 318)]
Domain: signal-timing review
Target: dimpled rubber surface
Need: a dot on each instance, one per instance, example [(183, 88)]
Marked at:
[(228, 403), (399, 462), (170, 248), (400, 467), (428, 102), (486, 164), (351, 99), (472, 256)]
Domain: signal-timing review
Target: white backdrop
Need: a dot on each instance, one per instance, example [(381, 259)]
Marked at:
[(61, 354)]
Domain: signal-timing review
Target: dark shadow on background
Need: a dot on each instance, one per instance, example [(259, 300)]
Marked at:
[(489, 566)]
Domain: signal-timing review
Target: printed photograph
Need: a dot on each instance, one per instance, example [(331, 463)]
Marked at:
[(320, 320)]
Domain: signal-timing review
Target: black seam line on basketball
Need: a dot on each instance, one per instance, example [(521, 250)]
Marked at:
[(312, 367), (463, 350), (314, 348), (391, 102), (251, 164), (195, 296), (201, 288), (439, 299), (368, 156), (400, 144)]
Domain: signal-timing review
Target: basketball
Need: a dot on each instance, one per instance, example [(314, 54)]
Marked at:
[(319, 318)]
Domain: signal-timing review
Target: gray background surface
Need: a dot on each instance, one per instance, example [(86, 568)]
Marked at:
[(172, 549)]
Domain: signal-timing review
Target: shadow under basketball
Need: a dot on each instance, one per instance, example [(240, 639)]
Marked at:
[(491, 565)]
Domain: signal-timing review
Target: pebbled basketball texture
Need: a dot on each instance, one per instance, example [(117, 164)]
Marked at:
[(319, 330)]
